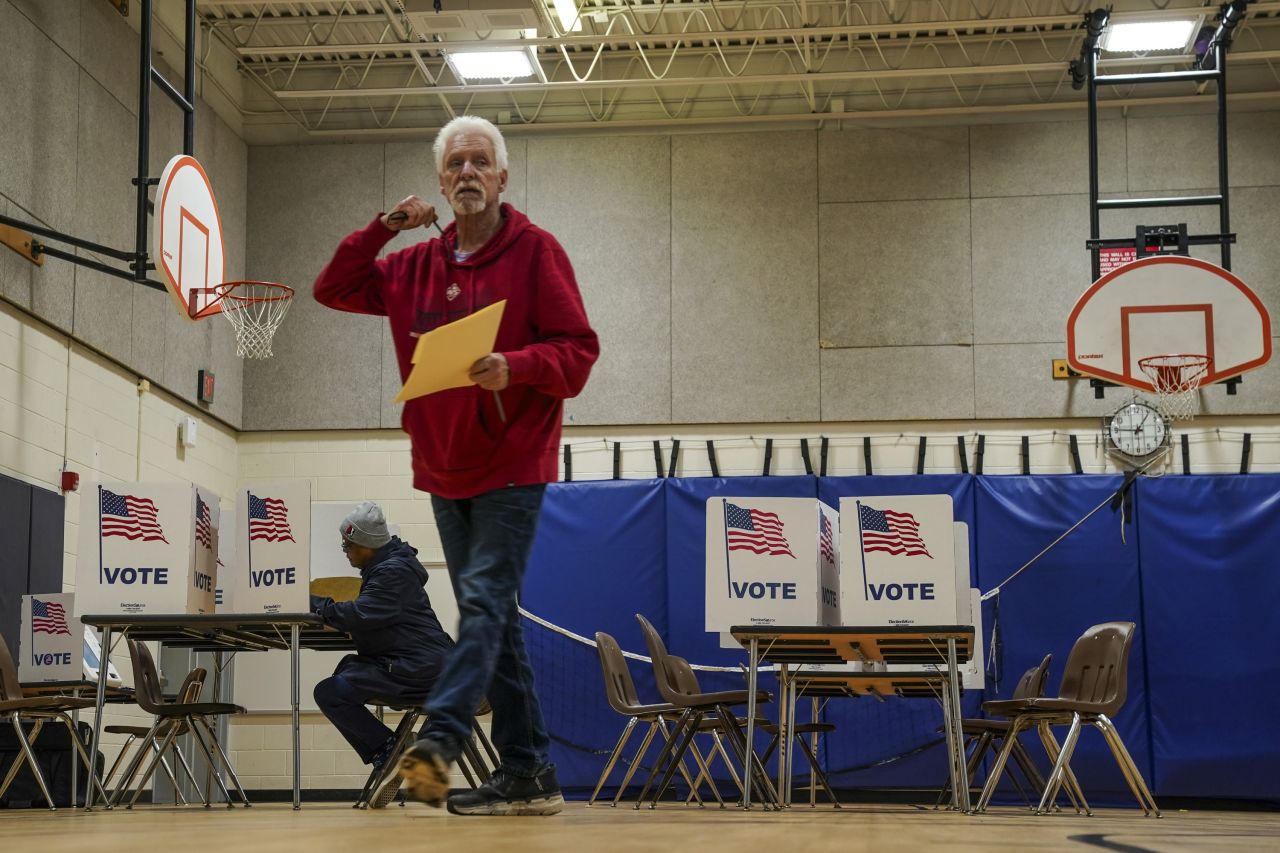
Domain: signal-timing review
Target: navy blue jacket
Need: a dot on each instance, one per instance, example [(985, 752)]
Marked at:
[(391, 620)]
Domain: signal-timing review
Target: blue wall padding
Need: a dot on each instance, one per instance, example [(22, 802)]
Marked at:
[(1195, 570), (599, 557), (1090, 577), (1211, 577)]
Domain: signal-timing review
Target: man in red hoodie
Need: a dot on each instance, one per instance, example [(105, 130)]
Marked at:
[(485, 452)]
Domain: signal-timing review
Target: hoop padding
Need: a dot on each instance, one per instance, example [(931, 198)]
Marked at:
[(255, 309), (1176, 378)]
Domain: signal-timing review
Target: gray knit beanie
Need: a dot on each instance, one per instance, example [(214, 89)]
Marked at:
[(366, 526)]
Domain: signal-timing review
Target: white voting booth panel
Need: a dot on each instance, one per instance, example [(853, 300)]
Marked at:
[(899, 560), (272, 568), (771, 561), (50, 643), (142, 551), (54, 646), (225, 595)]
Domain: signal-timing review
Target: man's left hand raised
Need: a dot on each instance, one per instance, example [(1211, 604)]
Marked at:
[(491, 372)]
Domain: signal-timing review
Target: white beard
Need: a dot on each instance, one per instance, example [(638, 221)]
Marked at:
[(468, 205)]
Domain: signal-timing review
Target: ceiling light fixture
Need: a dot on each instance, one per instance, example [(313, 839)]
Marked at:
[(490, 64), (567, 12), (1148, 36)]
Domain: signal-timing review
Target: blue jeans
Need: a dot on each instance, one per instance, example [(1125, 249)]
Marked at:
[(343, 698), (486, 541)]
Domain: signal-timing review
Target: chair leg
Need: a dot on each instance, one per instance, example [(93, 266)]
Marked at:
[(613, 757), (677, 757), (1002, 757), (704, 772), (738, 739), (1060, 767), (1134, 774), (115, 765), (151, 768), (494, 760), (635, 761), (718, 748), (208, 756), (178, 799), (13, 769), (979, 744), (668, 746), (817, 769), (1029, 772), (191, 777), (226, 762), (31, 759), (131, 770), (1070, 785)]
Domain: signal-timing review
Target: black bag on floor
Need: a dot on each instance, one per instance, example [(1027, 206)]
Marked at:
[(53, 753)]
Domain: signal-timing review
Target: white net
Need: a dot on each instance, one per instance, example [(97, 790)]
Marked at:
[(1176, 379), (255, 309)]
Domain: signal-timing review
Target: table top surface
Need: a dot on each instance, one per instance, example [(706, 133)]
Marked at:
[(214, 632), (901, 644), (908, 685)]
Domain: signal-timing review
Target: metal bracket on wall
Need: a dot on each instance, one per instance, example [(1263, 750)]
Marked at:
[(21, 242), (122, 6)]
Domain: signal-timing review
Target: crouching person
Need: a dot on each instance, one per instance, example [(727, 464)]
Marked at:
[(400, 646)]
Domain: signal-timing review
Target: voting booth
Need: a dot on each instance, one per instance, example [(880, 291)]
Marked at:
[(147, 548), (899, 557), (771, 561), (271, 569), (50, 641)]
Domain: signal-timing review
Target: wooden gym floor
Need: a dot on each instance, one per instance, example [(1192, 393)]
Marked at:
[(323, 827)]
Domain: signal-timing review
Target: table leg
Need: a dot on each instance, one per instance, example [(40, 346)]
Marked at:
[(104, 664), (960, 781), (753, 673), (294, 632), (75, 759), (791, 727), (210, 767), (783, 732)]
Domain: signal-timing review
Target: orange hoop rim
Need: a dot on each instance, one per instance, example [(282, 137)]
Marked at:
[(1154, 365), (227, 289)]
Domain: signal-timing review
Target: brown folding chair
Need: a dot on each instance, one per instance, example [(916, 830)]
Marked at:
[(39, 710), (981, 734), (620, 690), (1094, 688), (697, 706), (190, 691), (193, 715)]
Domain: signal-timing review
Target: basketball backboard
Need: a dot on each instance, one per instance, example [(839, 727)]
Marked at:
[(187, 241), (1166, 305)]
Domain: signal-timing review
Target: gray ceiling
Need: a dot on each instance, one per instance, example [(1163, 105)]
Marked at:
[(354, 68)]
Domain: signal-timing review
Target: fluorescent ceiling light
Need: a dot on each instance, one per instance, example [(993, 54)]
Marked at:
[(490, 64), (567, 12), (1147, 36)]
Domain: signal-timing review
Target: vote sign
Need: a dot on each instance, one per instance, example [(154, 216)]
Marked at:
[(899, 558), (50, 641), (146, 548), (771, 561), (272, 556)]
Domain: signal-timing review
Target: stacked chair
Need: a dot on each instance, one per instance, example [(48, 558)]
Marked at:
[(1093, 689), (38, 710), (172, 719), (620, 690), (697, 707), (190, 690)]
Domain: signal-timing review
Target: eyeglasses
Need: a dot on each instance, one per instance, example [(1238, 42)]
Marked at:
[(347, 544)]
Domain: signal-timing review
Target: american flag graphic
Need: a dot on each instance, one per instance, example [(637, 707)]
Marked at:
[(269, 520), (896, 533), (755, 531), (826, 539), (48, 617), (204, 527), (130, 517)]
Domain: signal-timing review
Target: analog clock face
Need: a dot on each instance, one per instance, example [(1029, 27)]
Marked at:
[(1137, 429)]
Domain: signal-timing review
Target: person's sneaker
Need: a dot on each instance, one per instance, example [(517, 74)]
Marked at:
[(505, 794), (424, 773), (387, 789)]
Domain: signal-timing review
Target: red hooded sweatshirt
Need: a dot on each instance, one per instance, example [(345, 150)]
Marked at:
[(461, 445)]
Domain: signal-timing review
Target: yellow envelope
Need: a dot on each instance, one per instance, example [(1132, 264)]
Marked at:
[(443, 356)]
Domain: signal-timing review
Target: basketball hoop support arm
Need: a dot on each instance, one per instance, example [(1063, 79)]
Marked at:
[(23, 237)]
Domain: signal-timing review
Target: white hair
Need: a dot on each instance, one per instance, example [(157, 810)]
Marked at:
[(469, 124)]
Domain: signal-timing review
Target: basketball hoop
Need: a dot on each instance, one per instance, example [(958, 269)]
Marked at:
[(1175, 379), (255, 309)]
